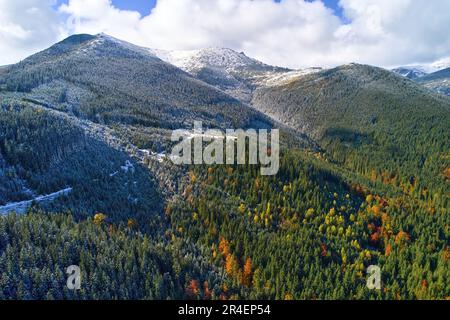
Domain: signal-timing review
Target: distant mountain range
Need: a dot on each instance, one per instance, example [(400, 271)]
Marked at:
[(410, 72), (427, 68), (434, 76), (438, 81)]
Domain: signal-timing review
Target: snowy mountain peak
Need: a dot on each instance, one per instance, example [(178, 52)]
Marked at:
[(225, 59), (417, 71), (410, 72), (103, 39), (228, 70)]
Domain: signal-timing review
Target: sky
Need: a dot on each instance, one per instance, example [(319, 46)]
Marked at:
[(289, 33), (144, 7)]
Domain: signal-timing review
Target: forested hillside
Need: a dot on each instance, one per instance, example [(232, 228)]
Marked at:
[(116, 262), (438, 81), (364, 179), (308, 233), (369, 120), (107, 80), (312, 231), (42, 153)]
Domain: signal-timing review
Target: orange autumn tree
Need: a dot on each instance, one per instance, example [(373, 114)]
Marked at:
[(388, 250), (402, 237), (192, 291), (247, 273), (193, 177), (207, 292), (447, 173), (224, 247), (231, 265), (131, 223)]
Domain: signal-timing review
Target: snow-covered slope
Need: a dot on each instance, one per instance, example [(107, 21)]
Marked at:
[(287, 77), (222, 58), (103, 39), (230, 71), (435, 76), (438, 81), (417, 71), (110, 78), (22, 207), (410, 72), (226, 69)]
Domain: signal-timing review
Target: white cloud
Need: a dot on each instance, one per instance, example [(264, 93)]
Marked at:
[(282, 34), (387, 32), (293, 33), (95, 16), (27, 26)]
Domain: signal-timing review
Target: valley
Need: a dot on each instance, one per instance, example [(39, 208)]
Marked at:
[(363, 179)]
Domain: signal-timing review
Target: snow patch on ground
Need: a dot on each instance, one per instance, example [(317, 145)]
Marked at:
[(22, 207), (285, 78), (127, 167), (113, 174), (160, 157)]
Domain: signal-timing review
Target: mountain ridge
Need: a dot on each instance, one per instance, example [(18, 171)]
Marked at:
[(363, 180), (228, 70), (438, 81), (352, 112), (92, 67)]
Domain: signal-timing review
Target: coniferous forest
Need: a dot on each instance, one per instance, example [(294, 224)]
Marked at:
[(363, 181)]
